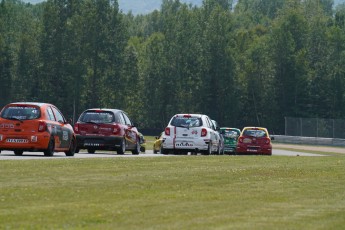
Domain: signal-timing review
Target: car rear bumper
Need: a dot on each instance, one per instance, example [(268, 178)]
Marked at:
[(245, 149), (26, 142), (99, 142), (185, 144), (230, 148)]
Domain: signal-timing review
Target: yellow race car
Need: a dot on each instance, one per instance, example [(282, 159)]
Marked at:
[(157, 144)]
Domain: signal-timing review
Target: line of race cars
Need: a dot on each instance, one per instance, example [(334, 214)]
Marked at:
[(41, 127), (197, 133)]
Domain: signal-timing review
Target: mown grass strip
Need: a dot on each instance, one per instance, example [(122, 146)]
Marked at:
[(183, 192)]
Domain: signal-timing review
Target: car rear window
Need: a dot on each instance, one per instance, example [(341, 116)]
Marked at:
[(186, 122), (230, 133), (21, 113), (97, 117), (254, 133)]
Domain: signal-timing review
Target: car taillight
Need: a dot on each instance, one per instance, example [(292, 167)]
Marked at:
[(42, 126), (76, 128), (203, 132), (240, 140), (267, 140), (116, 130), (167, 131)]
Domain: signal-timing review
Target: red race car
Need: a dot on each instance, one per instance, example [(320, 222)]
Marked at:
[(254, 140), (107, 129)]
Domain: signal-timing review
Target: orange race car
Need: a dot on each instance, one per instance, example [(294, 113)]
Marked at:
[(35, 127)]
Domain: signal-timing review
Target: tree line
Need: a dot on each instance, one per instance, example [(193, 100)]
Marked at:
[(250, 63)]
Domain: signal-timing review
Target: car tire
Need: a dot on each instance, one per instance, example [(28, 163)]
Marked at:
[(122, 148), (72, 148), (209, 149), (164, 151), (51, 147), (91, 151), (136, 151), (18, 152), (77, 150), (219, 149)]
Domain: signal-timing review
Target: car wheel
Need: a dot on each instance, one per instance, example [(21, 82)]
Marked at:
[(136, 151), (219, 149), (122, 148), (209, 149), (71, 149), (77, 150), (222, 152), (92, 151), (51, 147), (142, 149), (18, 152), (164, 151)]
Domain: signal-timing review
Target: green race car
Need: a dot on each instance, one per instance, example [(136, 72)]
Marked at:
[(230, 136)]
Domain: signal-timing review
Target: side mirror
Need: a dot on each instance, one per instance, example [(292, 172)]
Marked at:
[(272, 138)]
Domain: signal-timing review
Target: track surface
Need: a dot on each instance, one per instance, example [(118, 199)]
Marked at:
[(9, 155)]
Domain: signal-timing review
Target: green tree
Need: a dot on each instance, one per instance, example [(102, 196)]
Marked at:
[(103, 43), (157, 87), (288, 45), (219, 69), (320, 79), (28, 63)]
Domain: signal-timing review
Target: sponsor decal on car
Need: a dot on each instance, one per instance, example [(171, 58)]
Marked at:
[(184, 144), (92, 144), (247, 140), (130, 136), (65, 135), (105, 129), (6, 126)]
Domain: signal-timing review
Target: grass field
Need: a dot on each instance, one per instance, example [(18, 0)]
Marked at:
[(176, 192)]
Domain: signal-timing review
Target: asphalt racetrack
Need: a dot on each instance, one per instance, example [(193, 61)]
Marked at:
[(9, 155)]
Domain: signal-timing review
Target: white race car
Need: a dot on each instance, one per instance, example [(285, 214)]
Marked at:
[(193, 133)]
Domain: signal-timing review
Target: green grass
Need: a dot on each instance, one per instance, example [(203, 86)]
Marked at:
[(149, 142), (177, 192)]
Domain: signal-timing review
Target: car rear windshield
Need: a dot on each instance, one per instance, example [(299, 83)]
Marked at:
[(21, 113), (254, 133), (230, 133), (97, 117), (186, 122)]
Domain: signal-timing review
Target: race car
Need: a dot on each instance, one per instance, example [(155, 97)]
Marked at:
[(254, 140), (35, 127), (194, 133)]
